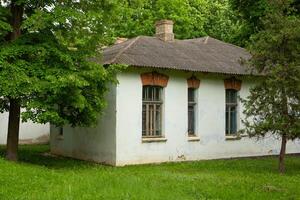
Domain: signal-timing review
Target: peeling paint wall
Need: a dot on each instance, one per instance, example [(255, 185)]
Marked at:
[(177, 147), (30, 133), (94, 144)]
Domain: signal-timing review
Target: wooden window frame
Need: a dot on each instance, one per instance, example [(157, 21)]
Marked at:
[(151, 128)]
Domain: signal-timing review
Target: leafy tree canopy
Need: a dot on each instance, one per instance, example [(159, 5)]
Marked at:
[(251, 13), (47, 69), (46, 66), (193, 18)]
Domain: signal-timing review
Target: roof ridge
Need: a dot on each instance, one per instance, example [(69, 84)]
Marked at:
[(206, 39), (124, 49), (227, 43)]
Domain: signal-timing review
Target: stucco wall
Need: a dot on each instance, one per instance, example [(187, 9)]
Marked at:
[(95, 144), (210, 123), (29, 132)]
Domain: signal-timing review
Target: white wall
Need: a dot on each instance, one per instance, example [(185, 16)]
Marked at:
[(29, 132), (95, 144), (211, 123)]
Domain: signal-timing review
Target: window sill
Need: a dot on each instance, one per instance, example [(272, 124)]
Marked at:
[(244, 135), (59, 137), (233, 137), (193, 138), (157, 139)]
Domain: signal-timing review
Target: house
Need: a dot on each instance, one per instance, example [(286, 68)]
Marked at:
[(30, 133), (177, 100)]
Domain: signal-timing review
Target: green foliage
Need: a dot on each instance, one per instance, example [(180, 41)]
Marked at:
[(274, 104), (193, 18), (48, 68), (251, 13), (39, 176), (4, 25)]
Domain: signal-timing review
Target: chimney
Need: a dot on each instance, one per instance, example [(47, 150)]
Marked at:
[(164, 30), (120, 40)]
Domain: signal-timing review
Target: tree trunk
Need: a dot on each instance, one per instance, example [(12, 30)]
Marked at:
[(15, 20), (14, 104), (282, 154), (13, 130)]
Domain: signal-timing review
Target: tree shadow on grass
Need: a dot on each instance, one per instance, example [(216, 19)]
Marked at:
[(39, 155), (252, 166)]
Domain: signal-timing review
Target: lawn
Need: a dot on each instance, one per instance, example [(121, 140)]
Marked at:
[(38, 176)]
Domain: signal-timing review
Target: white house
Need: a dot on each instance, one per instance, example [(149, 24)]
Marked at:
[(30, 133), (177, 100)]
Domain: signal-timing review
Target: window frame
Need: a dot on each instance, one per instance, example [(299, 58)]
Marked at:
[(229, 106), (192, 103), (152, 128)]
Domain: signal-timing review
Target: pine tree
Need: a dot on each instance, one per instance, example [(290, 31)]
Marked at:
[(273, 106)]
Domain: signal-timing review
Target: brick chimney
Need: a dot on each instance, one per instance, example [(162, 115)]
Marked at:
[(120, 40), (164, 30)]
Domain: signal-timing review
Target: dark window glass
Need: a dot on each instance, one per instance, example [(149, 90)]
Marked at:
[(191, 111), (231, 112), (191, 94), (152, 111), (61, 130)]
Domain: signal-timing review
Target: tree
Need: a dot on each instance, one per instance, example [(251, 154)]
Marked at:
[(273, 106), (250, 14), (45, 65), (193, 18)]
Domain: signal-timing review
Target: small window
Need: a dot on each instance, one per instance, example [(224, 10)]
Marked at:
[(152, 111), (61, 130), (191, 111), (231, 112)]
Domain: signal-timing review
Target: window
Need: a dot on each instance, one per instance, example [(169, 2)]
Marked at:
[(231, 112), (61, 131), (152, 111), (191, 111)]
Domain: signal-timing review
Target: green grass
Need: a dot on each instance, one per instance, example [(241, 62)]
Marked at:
[(38, 176)]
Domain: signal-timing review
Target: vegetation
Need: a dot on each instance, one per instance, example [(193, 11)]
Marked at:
[(39, 176), (193, 18), (45, 71), (45, 66), (250, 14), (273, 107), (46, 46)]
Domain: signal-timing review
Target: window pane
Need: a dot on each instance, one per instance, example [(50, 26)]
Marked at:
[(151, 111), (158, 120), (231, 96), (227, 120), (231, 120), (144, 120), (151, 119), (145, 92), (156, 94), (152, 93), (191, 119), (191, 94), (231, 111), (191, 111)]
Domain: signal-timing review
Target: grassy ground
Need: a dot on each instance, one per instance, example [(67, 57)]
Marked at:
[(38, 176)]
